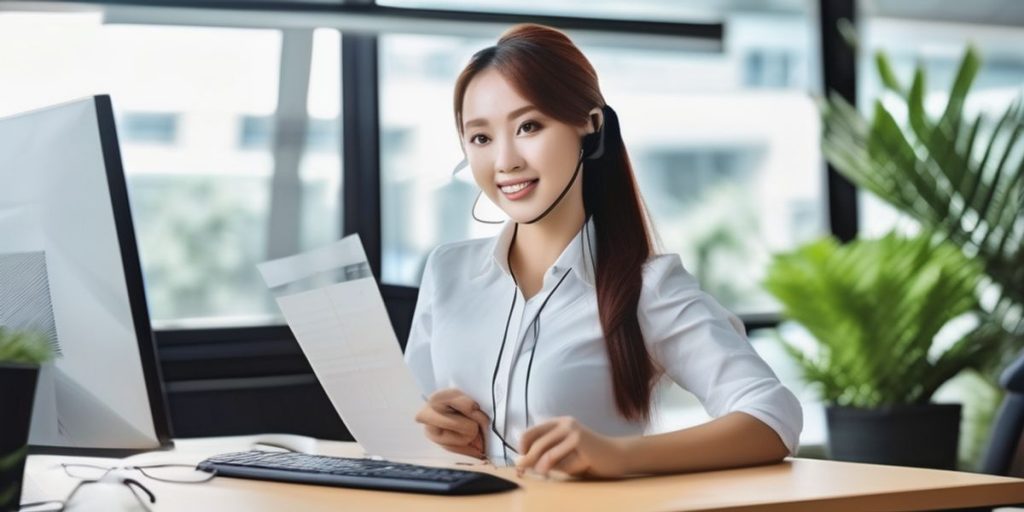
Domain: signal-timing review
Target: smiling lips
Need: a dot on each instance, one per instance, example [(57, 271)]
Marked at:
[(518, 190)]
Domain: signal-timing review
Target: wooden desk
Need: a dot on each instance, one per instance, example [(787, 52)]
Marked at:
[(795, 485)]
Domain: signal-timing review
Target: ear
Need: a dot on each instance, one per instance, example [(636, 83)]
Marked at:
[(596, 116)]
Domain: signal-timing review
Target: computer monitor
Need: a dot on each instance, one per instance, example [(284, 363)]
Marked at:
[(69, 267)]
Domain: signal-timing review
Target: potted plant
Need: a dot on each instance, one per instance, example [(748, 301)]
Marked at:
[(874, 308), (957, 174), (21, 353)]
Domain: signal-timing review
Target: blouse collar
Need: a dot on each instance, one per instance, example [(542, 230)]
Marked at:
[(578, 255)]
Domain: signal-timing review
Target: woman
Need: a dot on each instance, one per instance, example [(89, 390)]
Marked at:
[(542, 345)]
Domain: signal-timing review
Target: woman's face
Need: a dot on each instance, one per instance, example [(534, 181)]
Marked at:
[(521, 158)]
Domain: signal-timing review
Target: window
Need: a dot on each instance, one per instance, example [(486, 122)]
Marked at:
[(724, 145), (227, 167), (151, 127), (214, 190), (421, 206), (650, 10), (255, 132)]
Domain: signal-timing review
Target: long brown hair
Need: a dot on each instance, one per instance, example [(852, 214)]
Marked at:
[(546, 68)]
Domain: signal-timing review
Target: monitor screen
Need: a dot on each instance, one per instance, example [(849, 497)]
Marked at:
[(69, 267)]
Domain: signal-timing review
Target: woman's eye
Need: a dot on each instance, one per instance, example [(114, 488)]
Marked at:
[(478, 139), (529, 126)]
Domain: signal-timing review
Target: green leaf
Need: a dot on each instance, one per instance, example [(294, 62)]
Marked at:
[(7, 497), (1005, 187), (24, 347), (10, 460), (965, 75), (848, 32), (886, 73), (874, 307), (915, 106)]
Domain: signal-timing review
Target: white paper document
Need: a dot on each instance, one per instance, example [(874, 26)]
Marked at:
[(333, 306)]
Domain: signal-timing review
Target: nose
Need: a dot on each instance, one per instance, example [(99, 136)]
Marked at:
[(508, 158)]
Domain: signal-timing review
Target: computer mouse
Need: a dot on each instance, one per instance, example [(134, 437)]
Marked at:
[(290, 442), (112, 493)]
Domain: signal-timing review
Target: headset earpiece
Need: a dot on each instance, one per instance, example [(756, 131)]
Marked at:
[(593, 144)]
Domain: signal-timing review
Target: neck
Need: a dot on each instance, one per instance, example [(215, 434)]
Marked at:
[(538, 245)]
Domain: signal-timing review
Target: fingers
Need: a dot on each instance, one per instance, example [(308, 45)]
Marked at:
[(443, 436), (448, 421), (481, 419), (460, 402), (562, 456), (468, 451), (454, 420), (534, 433), (447, 400), (455, 443), (477, 417), (536, 446), (573, 465)]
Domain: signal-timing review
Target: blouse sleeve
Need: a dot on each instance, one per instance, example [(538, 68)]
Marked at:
[(704, 348), (417, 348)]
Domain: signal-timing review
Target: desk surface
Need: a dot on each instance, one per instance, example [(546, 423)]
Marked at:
[(795, 485)]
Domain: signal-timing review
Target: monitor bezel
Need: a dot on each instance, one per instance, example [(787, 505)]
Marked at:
[(121, 205)]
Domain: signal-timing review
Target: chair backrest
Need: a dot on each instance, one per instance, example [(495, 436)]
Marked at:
[(1005, 453)]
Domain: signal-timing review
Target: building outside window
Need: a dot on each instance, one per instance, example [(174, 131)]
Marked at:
[(196, 109)]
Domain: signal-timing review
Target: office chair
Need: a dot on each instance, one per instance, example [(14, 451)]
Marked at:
[(1005, 453)]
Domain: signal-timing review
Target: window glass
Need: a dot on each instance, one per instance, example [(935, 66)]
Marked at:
[(195, 110), (320, 169)]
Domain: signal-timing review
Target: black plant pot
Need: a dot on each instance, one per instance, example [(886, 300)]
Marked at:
[(17, 392), (925, 436)]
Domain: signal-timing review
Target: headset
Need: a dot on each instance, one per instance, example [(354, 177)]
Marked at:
[(535, 325)]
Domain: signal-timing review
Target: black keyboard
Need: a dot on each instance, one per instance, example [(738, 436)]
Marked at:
[(359, 473)]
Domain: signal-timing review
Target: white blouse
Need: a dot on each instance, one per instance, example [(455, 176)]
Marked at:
[(463, 308)]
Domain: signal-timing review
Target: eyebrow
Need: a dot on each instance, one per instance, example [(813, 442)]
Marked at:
[(511, 115)]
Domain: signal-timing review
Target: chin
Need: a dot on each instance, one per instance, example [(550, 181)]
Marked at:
[(525, 213)]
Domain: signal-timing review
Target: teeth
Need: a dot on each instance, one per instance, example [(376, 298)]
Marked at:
[(512, 189)]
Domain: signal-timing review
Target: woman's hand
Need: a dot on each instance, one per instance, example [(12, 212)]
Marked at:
[(454, 421), (565, 445)]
